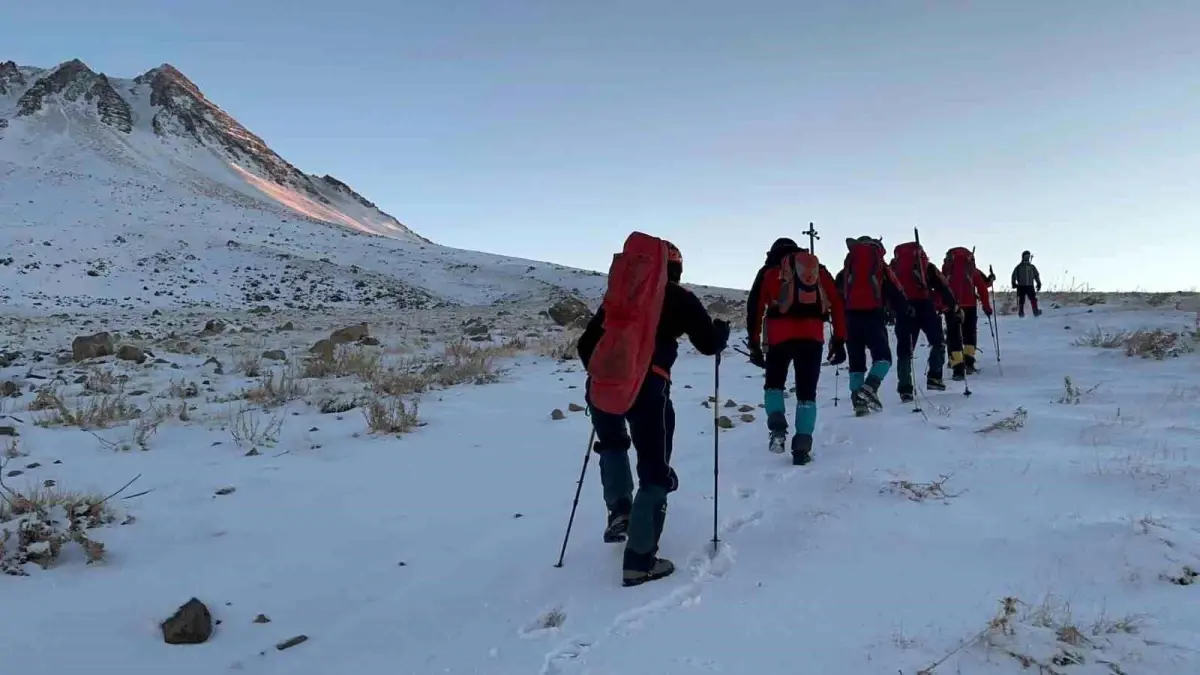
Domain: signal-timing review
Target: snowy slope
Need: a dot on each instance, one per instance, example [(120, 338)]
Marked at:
[(433, 552), (142, 193)]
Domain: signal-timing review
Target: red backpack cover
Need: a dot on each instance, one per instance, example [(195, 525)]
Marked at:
[(910, 264), (633, 301), (959, 270), (801, 294), (863, 275)]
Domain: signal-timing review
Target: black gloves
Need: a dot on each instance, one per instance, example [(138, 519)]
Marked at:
[(722, 330), (757, 357), (837, 351)]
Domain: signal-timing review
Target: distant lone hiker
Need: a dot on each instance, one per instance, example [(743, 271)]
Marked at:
[(628, 349), (1028, 282)]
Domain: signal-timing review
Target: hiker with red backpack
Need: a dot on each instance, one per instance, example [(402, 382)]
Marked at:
[(921, 280), (867, 286), (794, 293), (628, 349), (970, 288)]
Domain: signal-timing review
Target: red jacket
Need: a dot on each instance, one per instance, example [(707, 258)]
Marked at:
[(966, 297), (781, 329)]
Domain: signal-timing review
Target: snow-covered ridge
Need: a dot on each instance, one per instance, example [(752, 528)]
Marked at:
[(142, 193)]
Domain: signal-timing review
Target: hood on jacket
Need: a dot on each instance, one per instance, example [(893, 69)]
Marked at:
[(782, 247)]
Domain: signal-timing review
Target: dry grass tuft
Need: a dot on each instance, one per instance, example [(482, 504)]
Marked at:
[(391, 415), (248, 362), (95, 412), (277, 386), (1158, 344), (919, 492), (560, 346), (348, 360), (37, 524), (249, 426), (1013, 422)]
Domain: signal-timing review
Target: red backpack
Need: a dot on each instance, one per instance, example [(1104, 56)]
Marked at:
[(637, 284), (863, 275), (959, 270), (801, 294), (911, 265)]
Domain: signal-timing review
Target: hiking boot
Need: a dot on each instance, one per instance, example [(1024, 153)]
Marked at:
[(935, 383), (869, 395), (801, 449), (971, 369), (906, 397), (778, 442), (1020, 314), (618, 526), (660, 568), (1037, 312), (861, 407)]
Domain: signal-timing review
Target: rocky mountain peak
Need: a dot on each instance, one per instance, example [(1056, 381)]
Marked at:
[(10, 77)]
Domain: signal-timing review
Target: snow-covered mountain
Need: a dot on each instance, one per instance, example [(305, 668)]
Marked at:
[(142, 193)]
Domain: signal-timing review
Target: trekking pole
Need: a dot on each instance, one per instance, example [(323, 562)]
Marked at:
[(578, 489), (716, 447), (996, 344)]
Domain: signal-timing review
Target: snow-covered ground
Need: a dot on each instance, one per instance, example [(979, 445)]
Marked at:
[(433, 551)]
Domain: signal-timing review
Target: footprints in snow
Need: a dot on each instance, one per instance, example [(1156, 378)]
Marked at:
[(703, 566)]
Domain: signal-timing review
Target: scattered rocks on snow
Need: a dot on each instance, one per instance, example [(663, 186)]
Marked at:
[(192, 624), (323, 350), (287, 326), (92, 346), (275, 355), (9, 389)]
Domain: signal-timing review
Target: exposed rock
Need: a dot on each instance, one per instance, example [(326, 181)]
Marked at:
[(262, 618), (9, 389), (131, 353), (323, 349), (275, 355), (746, 408), (214, 361), (291, 642), (92, 346), (724, 422), (570, 312), (723, 307), (369, 341), (9, 358), (747, 418), (226, 491), (558, 414), (349, 334), (213, 327), (192, 624), (288, 326), (575, 407), (730, 403)]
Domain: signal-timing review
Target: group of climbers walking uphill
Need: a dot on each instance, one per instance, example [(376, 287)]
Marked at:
[(632, 341)]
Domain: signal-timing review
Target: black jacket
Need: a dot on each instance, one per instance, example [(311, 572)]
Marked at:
[(682, 314)]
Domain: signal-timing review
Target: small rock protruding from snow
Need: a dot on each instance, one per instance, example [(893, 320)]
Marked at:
[(192, 624)]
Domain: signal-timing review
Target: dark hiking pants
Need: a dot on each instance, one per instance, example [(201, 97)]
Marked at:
[(649, 427), (866, 331), (925, 320), (1024, 292), (962, 337), (804, 358)]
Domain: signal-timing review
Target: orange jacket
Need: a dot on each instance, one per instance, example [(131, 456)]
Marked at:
[(763, 292)]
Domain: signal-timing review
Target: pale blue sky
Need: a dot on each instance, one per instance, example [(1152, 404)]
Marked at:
[(550, 128)]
